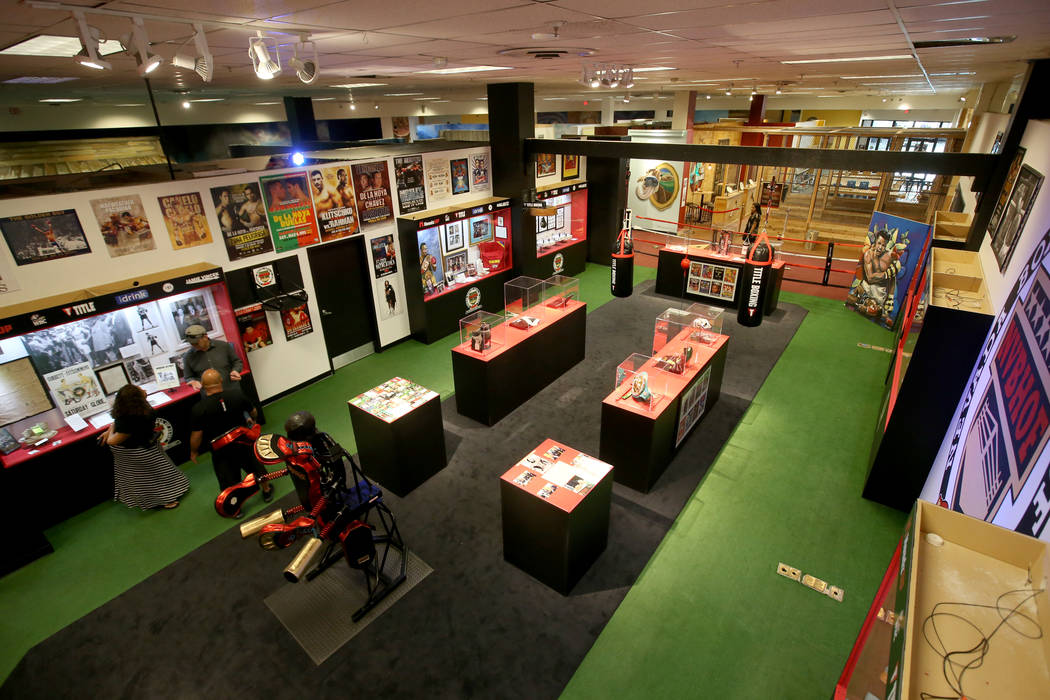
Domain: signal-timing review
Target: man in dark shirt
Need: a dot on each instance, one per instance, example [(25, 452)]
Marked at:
[(215, 414), (205, 353)]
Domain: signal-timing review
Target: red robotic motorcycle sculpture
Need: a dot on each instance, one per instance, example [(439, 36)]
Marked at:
[(332, 516)]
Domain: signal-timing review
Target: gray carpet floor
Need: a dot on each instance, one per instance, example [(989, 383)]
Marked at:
[(476, 626)]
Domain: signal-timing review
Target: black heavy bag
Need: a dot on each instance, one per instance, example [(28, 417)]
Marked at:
[(755, 280), (622, 281)]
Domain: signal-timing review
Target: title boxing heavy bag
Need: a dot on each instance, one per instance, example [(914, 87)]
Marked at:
[(622, 280), (755, 279)]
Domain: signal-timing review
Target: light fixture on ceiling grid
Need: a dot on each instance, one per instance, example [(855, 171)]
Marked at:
[(265, 66), (607, 75), (203, 64)]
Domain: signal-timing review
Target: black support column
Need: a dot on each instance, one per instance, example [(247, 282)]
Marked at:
[(606, 200), (512, 119), (300, 113)]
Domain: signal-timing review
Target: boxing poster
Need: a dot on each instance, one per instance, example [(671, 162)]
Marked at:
[(460, 181), (49, 235), (479, 169), (242, 220), (76, 390), (290, 211), (296, 322), (371, 182), (123, 225), (384, 256), (254, 328), (185, 220), (334, 201), (411, 196)]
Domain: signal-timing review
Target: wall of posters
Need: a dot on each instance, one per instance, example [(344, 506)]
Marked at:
[(123, 225), (411, 196), (460, 179), (479, 169), (75, 390), (296, 322), (48, 235), (254, 328), (438, 177), (242, 220), (1015, 214), (384, 255), (372, 184), (185, 220), (886, 266), (333, 197), (290, 211)]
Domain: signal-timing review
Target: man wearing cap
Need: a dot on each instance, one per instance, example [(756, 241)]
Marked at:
[(205, 353)]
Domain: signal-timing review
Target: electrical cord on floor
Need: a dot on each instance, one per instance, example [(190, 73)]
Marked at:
[(955, 670)]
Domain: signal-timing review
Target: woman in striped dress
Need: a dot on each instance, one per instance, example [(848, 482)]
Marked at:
[(143, 474)]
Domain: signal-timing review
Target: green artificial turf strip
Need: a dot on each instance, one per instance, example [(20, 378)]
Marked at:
[(709, 616), (109, 548)]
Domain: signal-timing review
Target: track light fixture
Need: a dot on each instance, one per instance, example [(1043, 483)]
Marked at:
[(353, 105), (202, 64), (307, 68), (607, 75), (89, 39), (138, 46), (265, 66), (729, 90)]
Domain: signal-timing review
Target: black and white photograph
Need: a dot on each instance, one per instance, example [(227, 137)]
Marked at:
[(453, 238), (95, 340), (140, 370), (1015, 214), (152, 343), (560, 218), (190, 311)]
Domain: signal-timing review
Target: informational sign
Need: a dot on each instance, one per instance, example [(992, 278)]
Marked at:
[(123, 225), (372, 184), (411, 196), (242, 220), (290, 211)]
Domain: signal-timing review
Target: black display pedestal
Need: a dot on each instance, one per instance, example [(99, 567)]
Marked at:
[(403, 453), (670, 276), (641, 446), (490, 387), (552, 545)]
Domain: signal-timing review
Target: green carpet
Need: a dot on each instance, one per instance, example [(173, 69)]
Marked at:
[(106, 550), (709, 617)]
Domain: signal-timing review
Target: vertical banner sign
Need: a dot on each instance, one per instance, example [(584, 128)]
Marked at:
[(374, 203), (185, 220), (333, 198), (123, 225), (242, 220), (290, 211), (411, 196)]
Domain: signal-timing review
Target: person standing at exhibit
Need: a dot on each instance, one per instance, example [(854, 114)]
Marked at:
[(143, 474), (217, 413), (205, 354), (753, 223)]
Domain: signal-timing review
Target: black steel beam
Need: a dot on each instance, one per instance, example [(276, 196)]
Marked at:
[(975, 164)]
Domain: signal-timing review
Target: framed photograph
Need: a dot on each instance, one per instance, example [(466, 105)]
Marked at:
[(541, 223), (49, 235), (453, 238), (480, 230), (191, 310), (140, 370), (570, 167), (112, 378), (501, 232), (1015, 214), (431, 270), (455, 264), (560, 218), (546, 164)]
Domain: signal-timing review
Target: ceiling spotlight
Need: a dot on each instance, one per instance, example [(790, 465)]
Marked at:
[(202, 64), (962, 99), (627, 98), (779, 90), (353, 105), (306, 69), (707, 96), (627, 78), (185, 104), (265, 67), (729, 90), (298, 158), (883, 99), (89, 39), (138, 46), (375, 105)]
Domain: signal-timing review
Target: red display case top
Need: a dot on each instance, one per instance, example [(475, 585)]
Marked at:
[(558, 474), (735, 258), (513, 336), (675, 383)]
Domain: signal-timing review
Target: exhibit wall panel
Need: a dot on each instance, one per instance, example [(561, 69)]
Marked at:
[(993, 461), (277, 367)]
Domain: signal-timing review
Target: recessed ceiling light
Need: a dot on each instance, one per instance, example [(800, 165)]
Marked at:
[(65, 46), (719, 80), (323, 99), (61, 100), (879, 77), (894, 57), (464, 69), (424, 99), (208, 99), (401, 94), (969, 41), (961, 19), (37, 80), (354, 86), (130, 104), (262, 104), (650, 69)]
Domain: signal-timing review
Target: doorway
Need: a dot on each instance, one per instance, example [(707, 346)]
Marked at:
[(345, 300)]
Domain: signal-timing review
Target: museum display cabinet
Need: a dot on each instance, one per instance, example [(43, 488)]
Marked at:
[(63, 360), (659, 399), (554, 232), (399, 434), (711, 277), (555, 505), (538, 345), (951, 226), (455, 260), (961, 612), (945, 322)]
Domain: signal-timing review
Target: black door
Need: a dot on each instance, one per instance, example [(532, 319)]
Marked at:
[(347, 313)]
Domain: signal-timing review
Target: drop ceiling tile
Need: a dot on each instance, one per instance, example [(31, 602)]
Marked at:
[(378, 15), (818, 10)]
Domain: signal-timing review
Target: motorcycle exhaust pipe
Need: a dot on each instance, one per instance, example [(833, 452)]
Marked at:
[(304, 560), (253, 526)]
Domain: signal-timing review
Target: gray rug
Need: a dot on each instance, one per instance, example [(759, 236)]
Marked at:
[(318, 613)]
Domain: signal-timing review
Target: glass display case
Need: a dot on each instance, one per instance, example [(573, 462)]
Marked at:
[(710, 321), (558, 292), (638, 382), (481, 332), (523, 302), (567, 222), (456, 253)]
